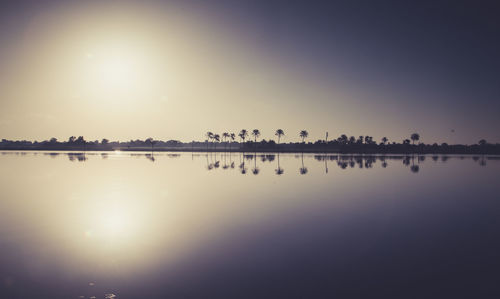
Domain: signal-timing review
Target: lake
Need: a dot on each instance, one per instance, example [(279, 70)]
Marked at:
[(215, 225)]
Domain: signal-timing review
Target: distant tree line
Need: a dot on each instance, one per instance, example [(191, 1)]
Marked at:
[(250, 141)]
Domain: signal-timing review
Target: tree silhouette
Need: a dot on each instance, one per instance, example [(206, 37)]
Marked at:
[(384, 140), (415, 137), (151, 142), (232, 136), (81, 141), (279, 133), (342, 139), (216, 139), (225, 136), (303, 135), (243, 135), (256, 134), (482, 142), (209, 136)]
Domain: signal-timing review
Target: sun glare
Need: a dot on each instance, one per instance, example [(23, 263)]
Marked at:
[(115, 222), (112, 218), (116, 72), (113, 69)]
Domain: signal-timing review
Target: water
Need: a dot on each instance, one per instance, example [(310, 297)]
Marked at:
[(169, 225)]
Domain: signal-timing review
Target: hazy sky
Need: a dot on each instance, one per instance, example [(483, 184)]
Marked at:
[(176, 69)]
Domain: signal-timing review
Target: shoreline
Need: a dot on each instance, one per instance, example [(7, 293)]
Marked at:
[(263, 151)]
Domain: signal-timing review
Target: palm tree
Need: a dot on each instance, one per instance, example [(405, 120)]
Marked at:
[(255, 134), (209, 136), (279, 133), (415, 137), (243, 135), (225, 136), (216, 139), (303, 134), (232, 136)]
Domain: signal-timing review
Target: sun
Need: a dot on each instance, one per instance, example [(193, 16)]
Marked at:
[(116, 72), (113, 70)]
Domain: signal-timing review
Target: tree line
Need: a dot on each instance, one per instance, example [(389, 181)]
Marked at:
[(246, 140)]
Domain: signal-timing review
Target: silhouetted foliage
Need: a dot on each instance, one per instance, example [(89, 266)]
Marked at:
[(342, 144)]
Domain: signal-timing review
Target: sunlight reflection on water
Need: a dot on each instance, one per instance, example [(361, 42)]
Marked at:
[(180, 224)]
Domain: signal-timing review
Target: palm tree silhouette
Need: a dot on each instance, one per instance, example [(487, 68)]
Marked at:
[(303, 134), (415, 137), (225, 136), (216, 139), (243, 135), (255, 134), (209, 136), (232, 136), (279, 133)]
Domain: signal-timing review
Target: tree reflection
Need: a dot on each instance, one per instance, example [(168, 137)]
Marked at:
[(80, 157), (303, 169), (356, 161), (255, 169), (279, 170)]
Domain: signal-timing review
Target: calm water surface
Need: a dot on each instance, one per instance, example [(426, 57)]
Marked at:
[(136, 225)]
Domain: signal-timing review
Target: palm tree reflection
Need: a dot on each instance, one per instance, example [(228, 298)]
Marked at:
[(303, 169), (255, 169), (279, 170), (361, 161)]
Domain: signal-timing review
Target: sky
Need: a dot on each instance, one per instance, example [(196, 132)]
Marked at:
[(126, 70)]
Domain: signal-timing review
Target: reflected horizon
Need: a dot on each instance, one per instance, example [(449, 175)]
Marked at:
[(241, 160)]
